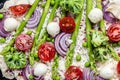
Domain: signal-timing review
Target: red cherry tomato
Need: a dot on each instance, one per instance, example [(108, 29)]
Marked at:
[(67, 24), (72, 73), (113, 32), (24, 42), (19, 9), (46, 51), (118, 67)]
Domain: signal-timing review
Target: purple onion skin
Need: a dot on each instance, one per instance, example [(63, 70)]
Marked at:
[(57, 46), (3, 33), (26, 71), (39, 78), (60, 43), (106, 15), (29, 70), (89, 75), (34, 20)]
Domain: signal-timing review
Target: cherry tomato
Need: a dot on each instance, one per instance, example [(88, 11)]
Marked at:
[(46, 51), (118, 67), (67, 24), (24, 42), (19, 9), (113, 32), (73, 72)]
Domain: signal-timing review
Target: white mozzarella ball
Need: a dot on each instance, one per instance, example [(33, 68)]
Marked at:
[(40, 69), (53, 29), (10, 24), (95, 15), (106, 72)]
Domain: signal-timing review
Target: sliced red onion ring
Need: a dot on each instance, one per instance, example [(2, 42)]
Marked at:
[(63, 41), (3, 33), (39, 78), (27, 71), (89, 75), (60, 43), (107, 15), (34, 20)]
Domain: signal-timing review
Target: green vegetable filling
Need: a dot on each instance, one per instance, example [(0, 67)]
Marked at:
[(98, 38), (16, 60), (73, 6)]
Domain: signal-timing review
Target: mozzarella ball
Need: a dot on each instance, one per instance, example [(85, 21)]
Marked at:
[(106, 72), (40, 69), (10, 24), (53, 29), (95, 15)]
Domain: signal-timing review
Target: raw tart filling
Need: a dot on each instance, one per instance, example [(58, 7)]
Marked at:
[(60, 40)]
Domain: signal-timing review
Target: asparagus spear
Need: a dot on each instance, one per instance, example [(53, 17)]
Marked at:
[(88, 29), (70, 51), (20, 28), (56, 59), (38, 30), (102, 25)]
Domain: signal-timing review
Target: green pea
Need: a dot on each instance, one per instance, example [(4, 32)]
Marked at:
[(87, 64), (53, 40), (43, 5), (1, 16), (114, 44), (52, 2), (2, 40), (31, 77), (119, 43), (84, 44), (29, 32), (78, 57), (12, 49), (48, 39), (57, 78)]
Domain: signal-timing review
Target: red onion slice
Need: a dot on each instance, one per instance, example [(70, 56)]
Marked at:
[(34, 20), (107, 15), (3, 33), (57, 46), (63, 41), (89, 75), (60, 43), (27, 71), (39, 78)]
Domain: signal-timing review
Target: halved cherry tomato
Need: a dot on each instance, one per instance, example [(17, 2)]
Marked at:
[(113, 32), (46, 51), (67, 24), (19, 9), (118, 67), (73, 72), (24, 42)]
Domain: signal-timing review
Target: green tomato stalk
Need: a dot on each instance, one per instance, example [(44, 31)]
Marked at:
[(70, 51), (88, 29), (20, 28)]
